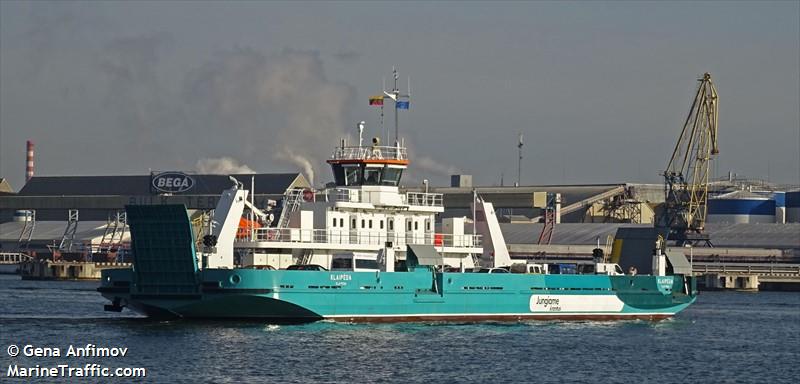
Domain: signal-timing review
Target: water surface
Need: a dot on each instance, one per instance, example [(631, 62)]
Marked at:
[(726, 337)]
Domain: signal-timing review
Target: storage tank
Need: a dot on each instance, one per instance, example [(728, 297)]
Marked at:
[(780, 206), (23, 215), (750, 209), (793, 207)]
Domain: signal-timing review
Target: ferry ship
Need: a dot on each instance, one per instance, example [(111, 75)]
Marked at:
[(363, 251)]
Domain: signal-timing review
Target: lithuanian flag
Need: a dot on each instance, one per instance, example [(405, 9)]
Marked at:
[(376, 100)]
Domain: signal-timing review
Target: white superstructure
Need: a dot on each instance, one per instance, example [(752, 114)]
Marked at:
[(360, 223)]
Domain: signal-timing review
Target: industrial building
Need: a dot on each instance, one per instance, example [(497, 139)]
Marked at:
[(585, 213), (95, 197), (747, 207), (59, 212), (793, 206), (729, 239), (578, 203)]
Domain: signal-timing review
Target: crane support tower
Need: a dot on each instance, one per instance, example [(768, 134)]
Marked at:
[(687, 174)]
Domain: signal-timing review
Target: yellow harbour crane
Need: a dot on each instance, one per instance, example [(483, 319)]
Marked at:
[(687, 174)]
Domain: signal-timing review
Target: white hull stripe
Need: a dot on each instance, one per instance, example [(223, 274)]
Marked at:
[(528, 314)]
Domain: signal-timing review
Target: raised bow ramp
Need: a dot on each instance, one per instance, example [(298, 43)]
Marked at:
[(165, 260)]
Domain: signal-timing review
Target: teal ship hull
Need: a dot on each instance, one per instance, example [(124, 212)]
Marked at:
[(166, 282), (421, 295)]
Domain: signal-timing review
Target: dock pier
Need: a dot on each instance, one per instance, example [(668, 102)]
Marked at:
[(10, 261), (65, 270), (748, 276)]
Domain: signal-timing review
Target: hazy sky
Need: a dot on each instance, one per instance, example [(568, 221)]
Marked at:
[(599, 89)]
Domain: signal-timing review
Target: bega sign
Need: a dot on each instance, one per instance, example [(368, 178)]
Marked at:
[(171, 182)]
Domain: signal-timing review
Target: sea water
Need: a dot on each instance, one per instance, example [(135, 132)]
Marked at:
[(725, 337)]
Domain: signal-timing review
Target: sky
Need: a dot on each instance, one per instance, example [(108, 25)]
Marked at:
[(600, 90)]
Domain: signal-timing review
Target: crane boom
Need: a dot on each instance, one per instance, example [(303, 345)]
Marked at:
[(687, 174)]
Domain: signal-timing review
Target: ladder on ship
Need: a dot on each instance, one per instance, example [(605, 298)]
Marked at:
[(201, 226), (291, 203), (307, 255), (476, 260)]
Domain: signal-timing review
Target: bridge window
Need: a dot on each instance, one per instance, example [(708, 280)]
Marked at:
[(367, 174), (354, 224), (338, 174), (352, 175), (370, 223), (334, 222), (381, 221), (372, 176), (363, 223), (427, 225), (416, 225), (391, 225), (391, 176), (341, 222)]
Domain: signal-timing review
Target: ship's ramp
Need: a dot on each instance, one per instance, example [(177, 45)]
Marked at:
[(163, 247)]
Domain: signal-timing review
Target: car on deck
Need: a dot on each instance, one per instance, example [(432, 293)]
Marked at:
[(305, 267)]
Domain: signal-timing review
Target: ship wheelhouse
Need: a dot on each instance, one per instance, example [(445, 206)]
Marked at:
[(374, 165)]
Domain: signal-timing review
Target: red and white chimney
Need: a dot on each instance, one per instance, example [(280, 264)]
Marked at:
[(29, 162)]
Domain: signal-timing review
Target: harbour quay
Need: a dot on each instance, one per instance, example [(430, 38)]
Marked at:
[(65, 270)]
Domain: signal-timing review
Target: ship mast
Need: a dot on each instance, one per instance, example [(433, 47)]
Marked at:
[(401, 101), (396, 93), (387, 128)]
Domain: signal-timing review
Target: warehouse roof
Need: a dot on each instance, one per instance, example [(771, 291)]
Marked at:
[(52, 230), (569, 193), (770, 235), (266, 183)]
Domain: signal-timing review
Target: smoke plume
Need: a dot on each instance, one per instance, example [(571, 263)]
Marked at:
[(277, 110), (301, 161), (221, 166), (427, 164), (281, 106)]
